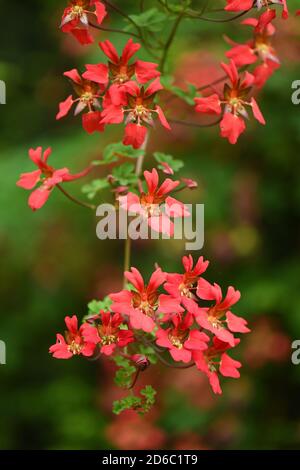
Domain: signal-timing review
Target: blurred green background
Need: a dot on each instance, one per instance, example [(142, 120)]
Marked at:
[(52, 263)]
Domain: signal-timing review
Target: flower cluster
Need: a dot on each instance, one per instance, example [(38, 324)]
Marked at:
[(118, 91), (169, 315), (149, 204), (246, 5), (179, 319), (46, 177), (89, 95), (258, 53), (76, 19), (232, 104), (258, 49)]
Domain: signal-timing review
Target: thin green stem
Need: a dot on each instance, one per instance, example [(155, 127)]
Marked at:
[(135, 379), (138, 171), (114, 30), (219, 80), (194, 124), (203, 9), (140, 160), (142, 5), (74, 199), (122, 13), (215, 82), (217, 20), (130, 20), (127, 256), (170, 40), (172, 365)]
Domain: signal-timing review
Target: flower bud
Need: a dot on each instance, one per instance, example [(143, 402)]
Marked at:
[(141, 361)]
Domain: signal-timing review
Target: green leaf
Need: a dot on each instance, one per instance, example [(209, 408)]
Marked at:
[(123, 376), (149, 393), (96, 305), (121, 361), (128, 403), (91, 189), (187, 95), (152, 20), (115, 151), (167, 81), (148, 352), (177, 8), (160, 157), (125, 174), (142, 404)]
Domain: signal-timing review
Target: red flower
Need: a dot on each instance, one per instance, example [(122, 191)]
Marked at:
[(107, 333), (165, 167), (239, 5), (48, 176), (244, 5), (191, 184), (210, 318), (234, 101), (143, 304), (89, 94), (75, 19), (214, 360), (119, 71), (139, 110), (74, 344), (181, 286), (148, 204), (180, 339), (260, 48), (141, 361)]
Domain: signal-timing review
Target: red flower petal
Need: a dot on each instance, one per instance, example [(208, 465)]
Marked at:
[(236, 324), (232, 127), (238, 5), (134, 135), (146, 71), (100, 12), (162, 118), (83, 36), (38, 198), (29, 180), (110, 51), (257, 112), (73, 75), (232, 72), (208, 105), (91, 122), (129, 50), (228, 367), (96, 73), (64, 107)]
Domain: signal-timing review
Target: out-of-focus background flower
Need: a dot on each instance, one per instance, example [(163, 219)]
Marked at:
[(52, 263)]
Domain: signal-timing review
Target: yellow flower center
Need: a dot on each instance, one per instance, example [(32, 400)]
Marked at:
[(184, 291), (121, 78), (107, 340), (75, 348), (176, 342), (86, 97), (215, 323), (77, 11)]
